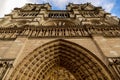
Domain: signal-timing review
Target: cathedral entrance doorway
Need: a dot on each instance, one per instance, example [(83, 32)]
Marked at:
[(61, 60)]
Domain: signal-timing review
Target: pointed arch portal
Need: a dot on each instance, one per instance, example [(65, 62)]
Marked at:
[(61, 60)]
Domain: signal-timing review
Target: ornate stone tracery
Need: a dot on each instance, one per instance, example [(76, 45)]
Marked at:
[(58, 31), (59, 73), (57, 54)]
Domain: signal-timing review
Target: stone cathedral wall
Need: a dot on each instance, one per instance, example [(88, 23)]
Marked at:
[(98, 45), (34, 25)]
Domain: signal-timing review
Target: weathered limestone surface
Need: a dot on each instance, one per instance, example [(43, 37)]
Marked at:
[(79, 43)]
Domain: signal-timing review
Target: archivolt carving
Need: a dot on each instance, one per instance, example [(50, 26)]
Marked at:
[(77, 62)]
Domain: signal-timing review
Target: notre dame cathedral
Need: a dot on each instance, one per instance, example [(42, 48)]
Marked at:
[(79, 43)]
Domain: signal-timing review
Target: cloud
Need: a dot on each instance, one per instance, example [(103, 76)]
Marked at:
[(109, 7), (7, 5)]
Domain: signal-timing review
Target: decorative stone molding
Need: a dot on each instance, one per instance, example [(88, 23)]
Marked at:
[(5, 64), (114, 62), (80, 63), (58, 31)]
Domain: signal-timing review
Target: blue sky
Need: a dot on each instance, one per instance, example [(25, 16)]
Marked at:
[(111, 6), (116, 8)]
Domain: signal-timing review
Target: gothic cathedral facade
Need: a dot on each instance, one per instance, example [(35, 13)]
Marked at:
[(79, 43)]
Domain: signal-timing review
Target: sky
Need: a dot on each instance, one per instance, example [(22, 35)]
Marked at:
[(111, 6)]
